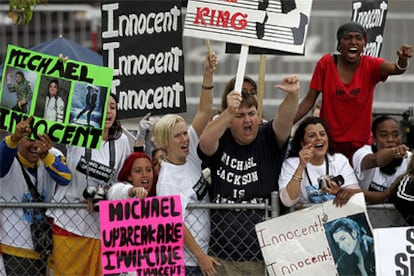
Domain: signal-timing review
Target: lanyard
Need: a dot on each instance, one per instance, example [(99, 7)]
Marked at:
[(88, 157), (32, 187)]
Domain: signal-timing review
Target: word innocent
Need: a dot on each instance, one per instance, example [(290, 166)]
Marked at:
[(58, 133), (143, 257), (316, 227)]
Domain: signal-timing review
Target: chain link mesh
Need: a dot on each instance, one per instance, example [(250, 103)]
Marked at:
[(381, 215)]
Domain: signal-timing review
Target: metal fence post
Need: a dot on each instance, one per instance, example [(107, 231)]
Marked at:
[(275, 208)]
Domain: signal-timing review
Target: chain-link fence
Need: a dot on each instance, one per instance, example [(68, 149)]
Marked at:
[(232, 228)]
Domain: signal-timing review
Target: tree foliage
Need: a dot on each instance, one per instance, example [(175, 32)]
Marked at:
[(20, 11)]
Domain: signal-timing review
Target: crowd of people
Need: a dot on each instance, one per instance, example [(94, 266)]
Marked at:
[(333, 153)]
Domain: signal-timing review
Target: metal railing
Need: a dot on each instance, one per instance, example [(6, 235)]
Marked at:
[(381, 215)]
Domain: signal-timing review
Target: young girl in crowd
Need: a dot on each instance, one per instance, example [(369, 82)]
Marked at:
[(76, 231), (136, 178)]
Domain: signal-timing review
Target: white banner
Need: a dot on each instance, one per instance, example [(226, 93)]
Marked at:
[(394, 251), (319, 240), (277, 25)]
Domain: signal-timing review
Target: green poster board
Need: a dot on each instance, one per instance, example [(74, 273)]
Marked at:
[(74, 114)]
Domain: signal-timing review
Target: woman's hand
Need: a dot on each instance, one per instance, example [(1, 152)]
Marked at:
[(210, 63), (138, 192), (306, 154), (332, 187), (344, 195), (405, 51), (400, 151), (234, 100)]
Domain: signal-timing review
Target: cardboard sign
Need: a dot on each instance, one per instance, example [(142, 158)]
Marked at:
[(307, 242), (75, 115), (372, 15), (394, 251), (142, 236), (142, 41), (278, 25)]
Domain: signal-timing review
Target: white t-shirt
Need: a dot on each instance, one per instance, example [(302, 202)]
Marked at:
[(373, 178), (338, 164), (188, 182), (80, 221), (15, 223), (54, 109), (119, 191)]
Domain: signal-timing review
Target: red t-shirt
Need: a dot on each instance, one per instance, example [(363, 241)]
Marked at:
[(347, 108)]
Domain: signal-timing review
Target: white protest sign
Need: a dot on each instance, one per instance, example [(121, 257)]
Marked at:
[(301, 243), (394, 251), (278, 25)]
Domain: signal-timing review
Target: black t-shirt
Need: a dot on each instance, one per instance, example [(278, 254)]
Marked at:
[(242, 174)]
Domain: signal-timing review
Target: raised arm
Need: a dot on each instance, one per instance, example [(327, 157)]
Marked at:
[(209, 139), (400, 65), (205, 106), (283, 120)]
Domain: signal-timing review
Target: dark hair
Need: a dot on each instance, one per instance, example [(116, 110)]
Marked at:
[(230, 87), (348, 225), (21, 74), (154, 151), (115, 131), (350, 27), (299, 135), (57, 84), (379, 120), (248, 99), (127, 166)]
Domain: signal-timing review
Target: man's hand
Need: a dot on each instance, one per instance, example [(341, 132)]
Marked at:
[(290, 85), (22, 130), (206, 264), (43, 144)]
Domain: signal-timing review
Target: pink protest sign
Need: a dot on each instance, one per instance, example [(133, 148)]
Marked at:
[(143, 236)]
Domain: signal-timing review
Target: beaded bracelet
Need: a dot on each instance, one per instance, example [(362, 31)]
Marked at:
[(399, 67), (207, 87), (297, 178)]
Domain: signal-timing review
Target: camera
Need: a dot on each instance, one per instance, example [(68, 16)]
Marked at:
[(96, 194), (323, 180)]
